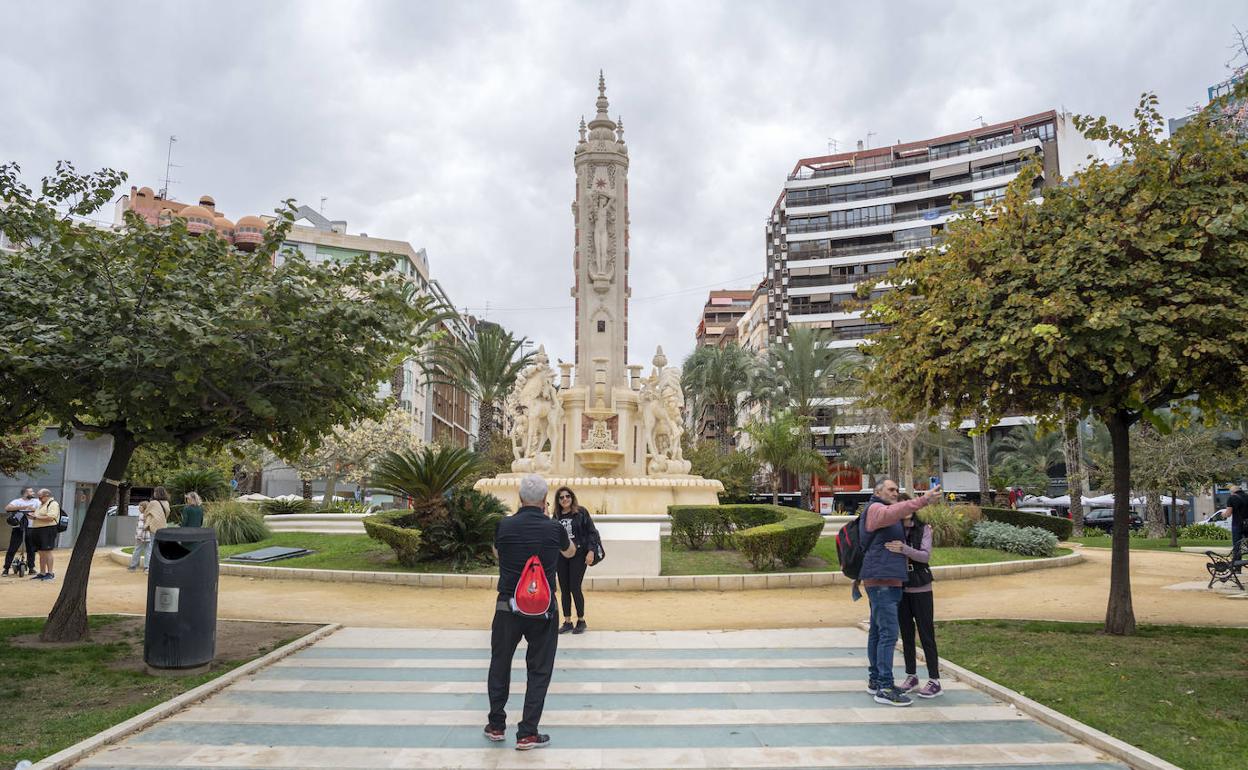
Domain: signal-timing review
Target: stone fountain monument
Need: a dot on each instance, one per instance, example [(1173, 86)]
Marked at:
[(600, 426)]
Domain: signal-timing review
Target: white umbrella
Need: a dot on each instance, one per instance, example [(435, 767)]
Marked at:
[(254, 497)]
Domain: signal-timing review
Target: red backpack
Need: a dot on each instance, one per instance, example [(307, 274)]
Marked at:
[(532, 595)]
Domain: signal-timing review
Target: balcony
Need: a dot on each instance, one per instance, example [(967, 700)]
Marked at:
[(886, 219), (907, 189), (870, 248), (888, 161)]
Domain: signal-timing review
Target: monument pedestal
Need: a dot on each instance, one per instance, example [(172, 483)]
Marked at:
[(647, 494)]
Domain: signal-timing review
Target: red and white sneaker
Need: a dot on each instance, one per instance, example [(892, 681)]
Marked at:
[(496, 733), (532, 742)]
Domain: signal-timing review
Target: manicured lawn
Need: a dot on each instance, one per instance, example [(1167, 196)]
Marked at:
[(1151, 543), (353, 552), (1180, 693), (55, 696), (678, 561)]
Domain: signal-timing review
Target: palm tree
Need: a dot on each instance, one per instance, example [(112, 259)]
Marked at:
[(484, 364), (1035, 450), (783, 444), (804, 373), (717, 382), (426, 475)]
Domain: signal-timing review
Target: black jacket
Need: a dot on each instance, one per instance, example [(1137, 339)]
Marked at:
[(580, 528)]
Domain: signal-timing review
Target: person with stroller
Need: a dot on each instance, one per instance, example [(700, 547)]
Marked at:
[(20, 510), (153, 516)]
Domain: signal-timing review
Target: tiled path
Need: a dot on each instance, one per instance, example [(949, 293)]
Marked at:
[(388, 698)]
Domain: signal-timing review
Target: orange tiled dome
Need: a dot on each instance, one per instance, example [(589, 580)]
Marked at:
[(249, 232), (198, 219)]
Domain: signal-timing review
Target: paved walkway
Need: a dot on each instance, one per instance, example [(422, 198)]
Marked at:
[(1070, 593), (383, 698)]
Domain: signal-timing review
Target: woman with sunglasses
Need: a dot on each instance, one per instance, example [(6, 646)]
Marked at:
[(583, 534)]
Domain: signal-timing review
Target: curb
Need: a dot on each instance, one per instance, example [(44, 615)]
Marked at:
[(67, 757), (747, 582)]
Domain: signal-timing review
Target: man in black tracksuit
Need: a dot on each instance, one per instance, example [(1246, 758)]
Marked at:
[(1239, 515), (526, 533)]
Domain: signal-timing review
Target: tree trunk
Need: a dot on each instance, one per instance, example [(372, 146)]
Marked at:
[(775, 488), (894, 463), (907, 469), (1072, 448), (1154, 514), (67, 622), (306, 486), (979, 443), (331, 486), (487, 426), (1119, 614), (1174, 519)]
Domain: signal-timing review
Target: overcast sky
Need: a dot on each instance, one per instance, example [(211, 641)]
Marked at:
[(452, 125)]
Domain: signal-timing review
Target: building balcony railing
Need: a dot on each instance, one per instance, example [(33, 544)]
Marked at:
[(888, 219), (907, 189), (870, 248), (888, 161)]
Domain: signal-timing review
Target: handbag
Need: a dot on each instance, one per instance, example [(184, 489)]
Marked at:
[(600, 553), (14, 519)]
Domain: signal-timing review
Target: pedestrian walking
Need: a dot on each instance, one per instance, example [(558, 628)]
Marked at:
[(18, 513), (917, 609), (1238, 507), (43, 531), (528, 533), (883, 574), (193, 511), (584, 535), (153, 517)]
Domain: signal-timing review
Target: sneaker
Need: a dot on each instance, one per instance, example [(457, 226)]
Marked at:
[(580, 627), (532, 742), (37, 577), (5, 573), (891, 696), (50, 576), (872, 687), (496, 733), (909, 684), (566, 627), (931, 689)]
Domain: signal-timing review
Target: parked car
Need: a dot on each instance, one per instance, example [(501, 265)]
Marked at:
[(1103, 518), (1220, 518)]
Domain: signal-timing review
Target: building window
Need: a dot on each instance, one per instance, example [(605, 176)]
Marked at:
[(602, 326), (1045, 132)]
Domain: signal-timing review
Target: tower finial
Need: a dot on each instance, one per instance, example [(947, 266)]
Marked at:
[(601, 128), (602, 84), (582, 128), (619, 129)]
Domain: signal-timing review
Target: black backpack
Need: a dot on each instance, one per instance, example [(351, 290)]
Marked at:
[(851, 545)]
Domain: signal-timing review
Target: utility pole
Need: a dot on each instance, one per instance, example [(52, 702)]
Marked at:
[(323, 199), (869, 135), (164, 191)]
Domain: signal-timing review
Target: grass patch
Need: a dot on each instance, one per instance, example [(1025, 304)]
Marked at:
[(1178, 692), (678, 561), (1152, 543), (350, 552), (56, 696)]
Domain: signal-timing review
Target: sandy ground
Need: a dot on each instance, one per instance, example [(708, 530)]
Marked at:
[(1071, 593)]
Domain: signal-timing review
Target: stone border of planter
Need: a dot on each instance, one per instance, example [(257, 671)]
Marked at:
[(68, 757), (747, 582)]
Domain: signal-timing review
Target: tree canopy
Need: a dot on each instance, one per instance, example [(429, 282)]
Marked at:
[(150, 334), (1117, 295)]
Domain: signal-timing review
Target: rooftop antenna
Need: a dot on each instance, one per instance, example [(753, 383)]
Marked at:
[(980, 118), (833, 146), (169, 164), (323, 199), (869, 135)]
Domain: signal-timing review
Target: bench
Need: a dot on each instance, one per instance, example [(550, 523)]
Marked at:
[(1223, 568)]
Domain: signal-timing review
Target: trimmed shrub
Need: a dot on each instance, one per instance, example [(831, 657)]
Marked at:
[(235, 523), (1094, 532), (764, 534), (349, 506), (1056, 524), (1028, 541), (397, 529), (1204, 532), (286, 507), (951, 524), (466, 535)]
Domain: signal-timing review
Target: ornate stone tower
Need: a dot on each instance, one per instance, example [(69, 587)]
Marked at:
[(600, 261)]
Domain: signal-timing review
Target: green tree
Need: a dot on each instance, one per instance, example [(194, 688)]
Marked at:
[(735, 468), (1117, 295), (717, 382), (804, 374), (783, 444), (1033, 447), (484, 364), (349, 453), (149, 334), (23, 451)]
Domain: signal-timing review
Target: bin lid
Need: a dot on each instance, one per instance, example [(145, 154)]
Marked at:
[(186, 534)]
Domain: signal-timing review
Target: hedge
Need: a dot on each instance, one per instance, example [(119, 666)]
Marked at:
[(1028, 541), (765, 534), (1055, 524), (396, 529)]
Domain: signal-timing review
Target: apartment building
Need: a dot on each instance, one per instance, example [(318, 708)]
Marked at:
[(845, 219), (724, 307)]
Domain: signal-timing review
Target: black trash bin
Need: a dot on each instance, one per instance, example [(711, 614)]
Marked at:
[(181, 628)]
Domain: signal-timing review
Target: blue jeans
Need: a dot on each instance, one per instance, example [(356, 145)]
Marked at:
[(882, 638), (141, 554)]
